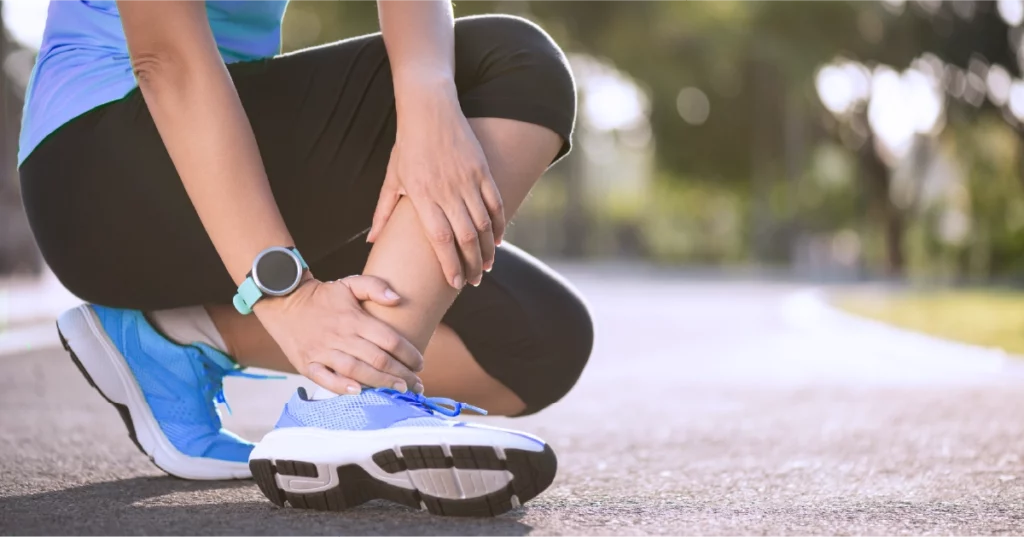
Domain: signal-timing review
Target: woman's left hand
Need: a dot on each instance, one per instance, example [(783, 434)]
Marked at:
[(438, 163)]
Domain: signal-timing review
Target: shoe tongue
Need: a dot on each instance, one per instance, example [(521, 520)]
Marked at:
[(321, 393), (222, 360)]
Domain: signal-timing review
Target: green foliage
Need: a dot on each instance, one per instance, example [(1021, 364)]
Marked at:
[(695, 221), (988, 150)]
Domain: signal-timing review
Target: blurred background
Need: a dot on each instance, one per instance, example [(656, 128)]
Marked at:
[(861, 141)]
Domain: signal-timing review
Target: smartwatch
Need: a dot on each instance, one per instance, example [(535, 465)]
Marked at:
[(276, 271)]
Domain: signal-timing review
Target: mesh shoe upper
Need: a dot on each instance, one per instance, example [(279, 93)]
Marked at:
[(372, 409), (181, 384)]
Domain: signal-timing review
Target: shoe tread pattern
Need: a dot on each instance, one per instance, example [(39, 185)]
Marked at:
[(532, 473)]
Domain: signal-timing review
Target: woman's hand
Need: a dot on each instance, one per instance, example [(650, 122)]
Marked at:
[(329, 338), (438, 163)]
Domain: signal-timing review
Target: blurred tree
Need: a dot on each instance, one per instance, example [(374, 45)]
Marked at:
[(974, 41)]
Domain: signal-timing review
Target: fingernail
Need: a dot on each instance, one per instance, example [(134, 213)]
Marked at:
[(401, 387), (354, 390), (418, 388), (390, 295), (477, 282), (458, 282)]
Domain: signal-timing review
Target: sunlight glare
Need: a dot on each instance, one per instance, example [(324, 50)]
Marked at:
[(25, 19), (1012, 11)]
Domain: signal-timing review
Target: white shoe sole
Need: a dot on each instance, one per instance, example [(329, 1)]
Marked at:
[(106, 370), (456, 471)]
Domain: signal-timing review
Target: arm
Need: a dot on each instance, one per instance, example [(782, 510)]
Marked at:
[(194, 104), (420, 38), (437, 160), (321, 328)]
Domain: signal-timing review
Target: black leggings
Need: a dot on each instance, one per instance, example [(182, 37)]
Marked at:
[(116, 226)]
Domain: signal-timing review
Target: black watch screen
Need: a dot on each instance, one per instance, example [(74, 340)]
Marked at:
[(277, 271)]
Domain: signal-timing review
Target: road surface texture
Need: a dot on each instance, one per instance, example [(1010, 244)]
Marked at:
[(708, 408)]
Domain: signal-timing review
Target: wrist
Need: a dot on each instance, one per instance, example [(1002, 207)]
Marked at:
[(271, 303), (415, 80), (424, 93), (277, 271)]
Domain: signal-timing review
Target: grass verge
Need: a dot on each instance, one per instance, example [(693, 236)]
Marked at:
[(987, 318)]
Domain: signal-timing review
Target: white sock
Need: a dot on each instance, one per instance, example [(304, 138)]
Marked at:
[(321, 393), (186, 326)]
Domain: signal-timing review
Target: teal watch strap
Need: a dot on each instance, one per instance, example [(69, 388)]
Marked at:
[(301, 260), (249, 293)]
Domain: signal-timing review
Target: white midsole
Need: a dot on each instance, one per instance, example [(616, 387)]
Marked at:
[(330, 449), (449, 483), (109, 371)]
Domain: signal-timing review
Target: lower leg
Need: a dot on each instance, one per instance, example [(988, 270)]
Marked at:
[(517, 154)]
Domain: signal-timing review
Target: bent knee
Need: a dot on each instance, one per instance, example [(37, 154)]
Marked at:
[(509, 31), (527, 47), (568, 341)]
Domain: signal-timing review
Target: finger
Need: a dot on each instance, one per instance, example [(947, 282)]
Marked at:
[(492, 198), (380, 360), (331, 380), (391, 342), (442, 240), (482, 221), (386, 204), (347, 365), (371, 288), (469, 241)]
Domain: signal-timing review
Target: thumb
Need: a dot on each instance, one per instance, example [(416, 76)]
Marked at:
[(371, 288)]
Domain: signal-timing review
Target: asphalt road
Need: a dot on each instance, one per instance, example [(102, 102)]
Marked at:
[(711, 408)]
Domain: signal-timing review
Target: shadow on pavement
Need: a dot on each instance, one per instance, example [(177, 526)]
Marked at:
[(165, 505)]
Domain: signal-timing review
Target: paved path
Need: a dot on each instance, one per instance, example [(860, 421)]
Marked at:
[(719, 408)]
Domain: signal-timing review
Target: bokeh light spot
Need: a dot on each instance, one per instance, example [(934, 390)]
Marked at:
[(998, 82), (1012, 11), (693, 106), (1017, 99)]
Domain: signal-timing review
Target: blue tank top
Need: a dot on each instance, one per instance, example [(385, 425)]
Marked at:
[(83, 60)]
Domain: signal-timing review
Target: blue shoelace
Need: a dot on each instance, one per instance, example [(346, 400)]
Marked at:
[(441, 405)]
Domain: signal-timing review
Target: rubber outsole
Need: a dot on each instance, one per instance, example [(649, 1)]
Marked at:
[(532, 473), (122, 410)]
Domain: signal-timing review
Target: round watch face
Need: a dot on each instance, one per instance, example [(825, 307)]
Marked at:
[(276, 271)]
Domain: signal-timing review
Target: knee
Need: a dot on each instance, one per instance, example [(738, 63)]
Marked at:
[(576, 337), (527, 48), (568, 344), (515, 33)]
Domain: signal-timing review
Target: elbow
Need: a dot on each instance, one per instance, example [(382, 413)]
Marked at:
[(155, 71)]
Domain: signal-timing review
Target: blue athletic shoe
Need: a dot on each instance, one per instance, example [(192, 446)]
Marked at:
[(166, 393), (337, 453)]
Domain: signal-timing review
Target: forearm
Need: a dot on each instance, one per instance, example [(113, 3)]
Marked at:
[(201, 121), (220, 167), (420, 39)]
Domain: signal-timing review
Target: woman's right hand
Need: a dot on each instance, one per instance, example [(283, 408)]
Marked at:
[(329, 338)]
